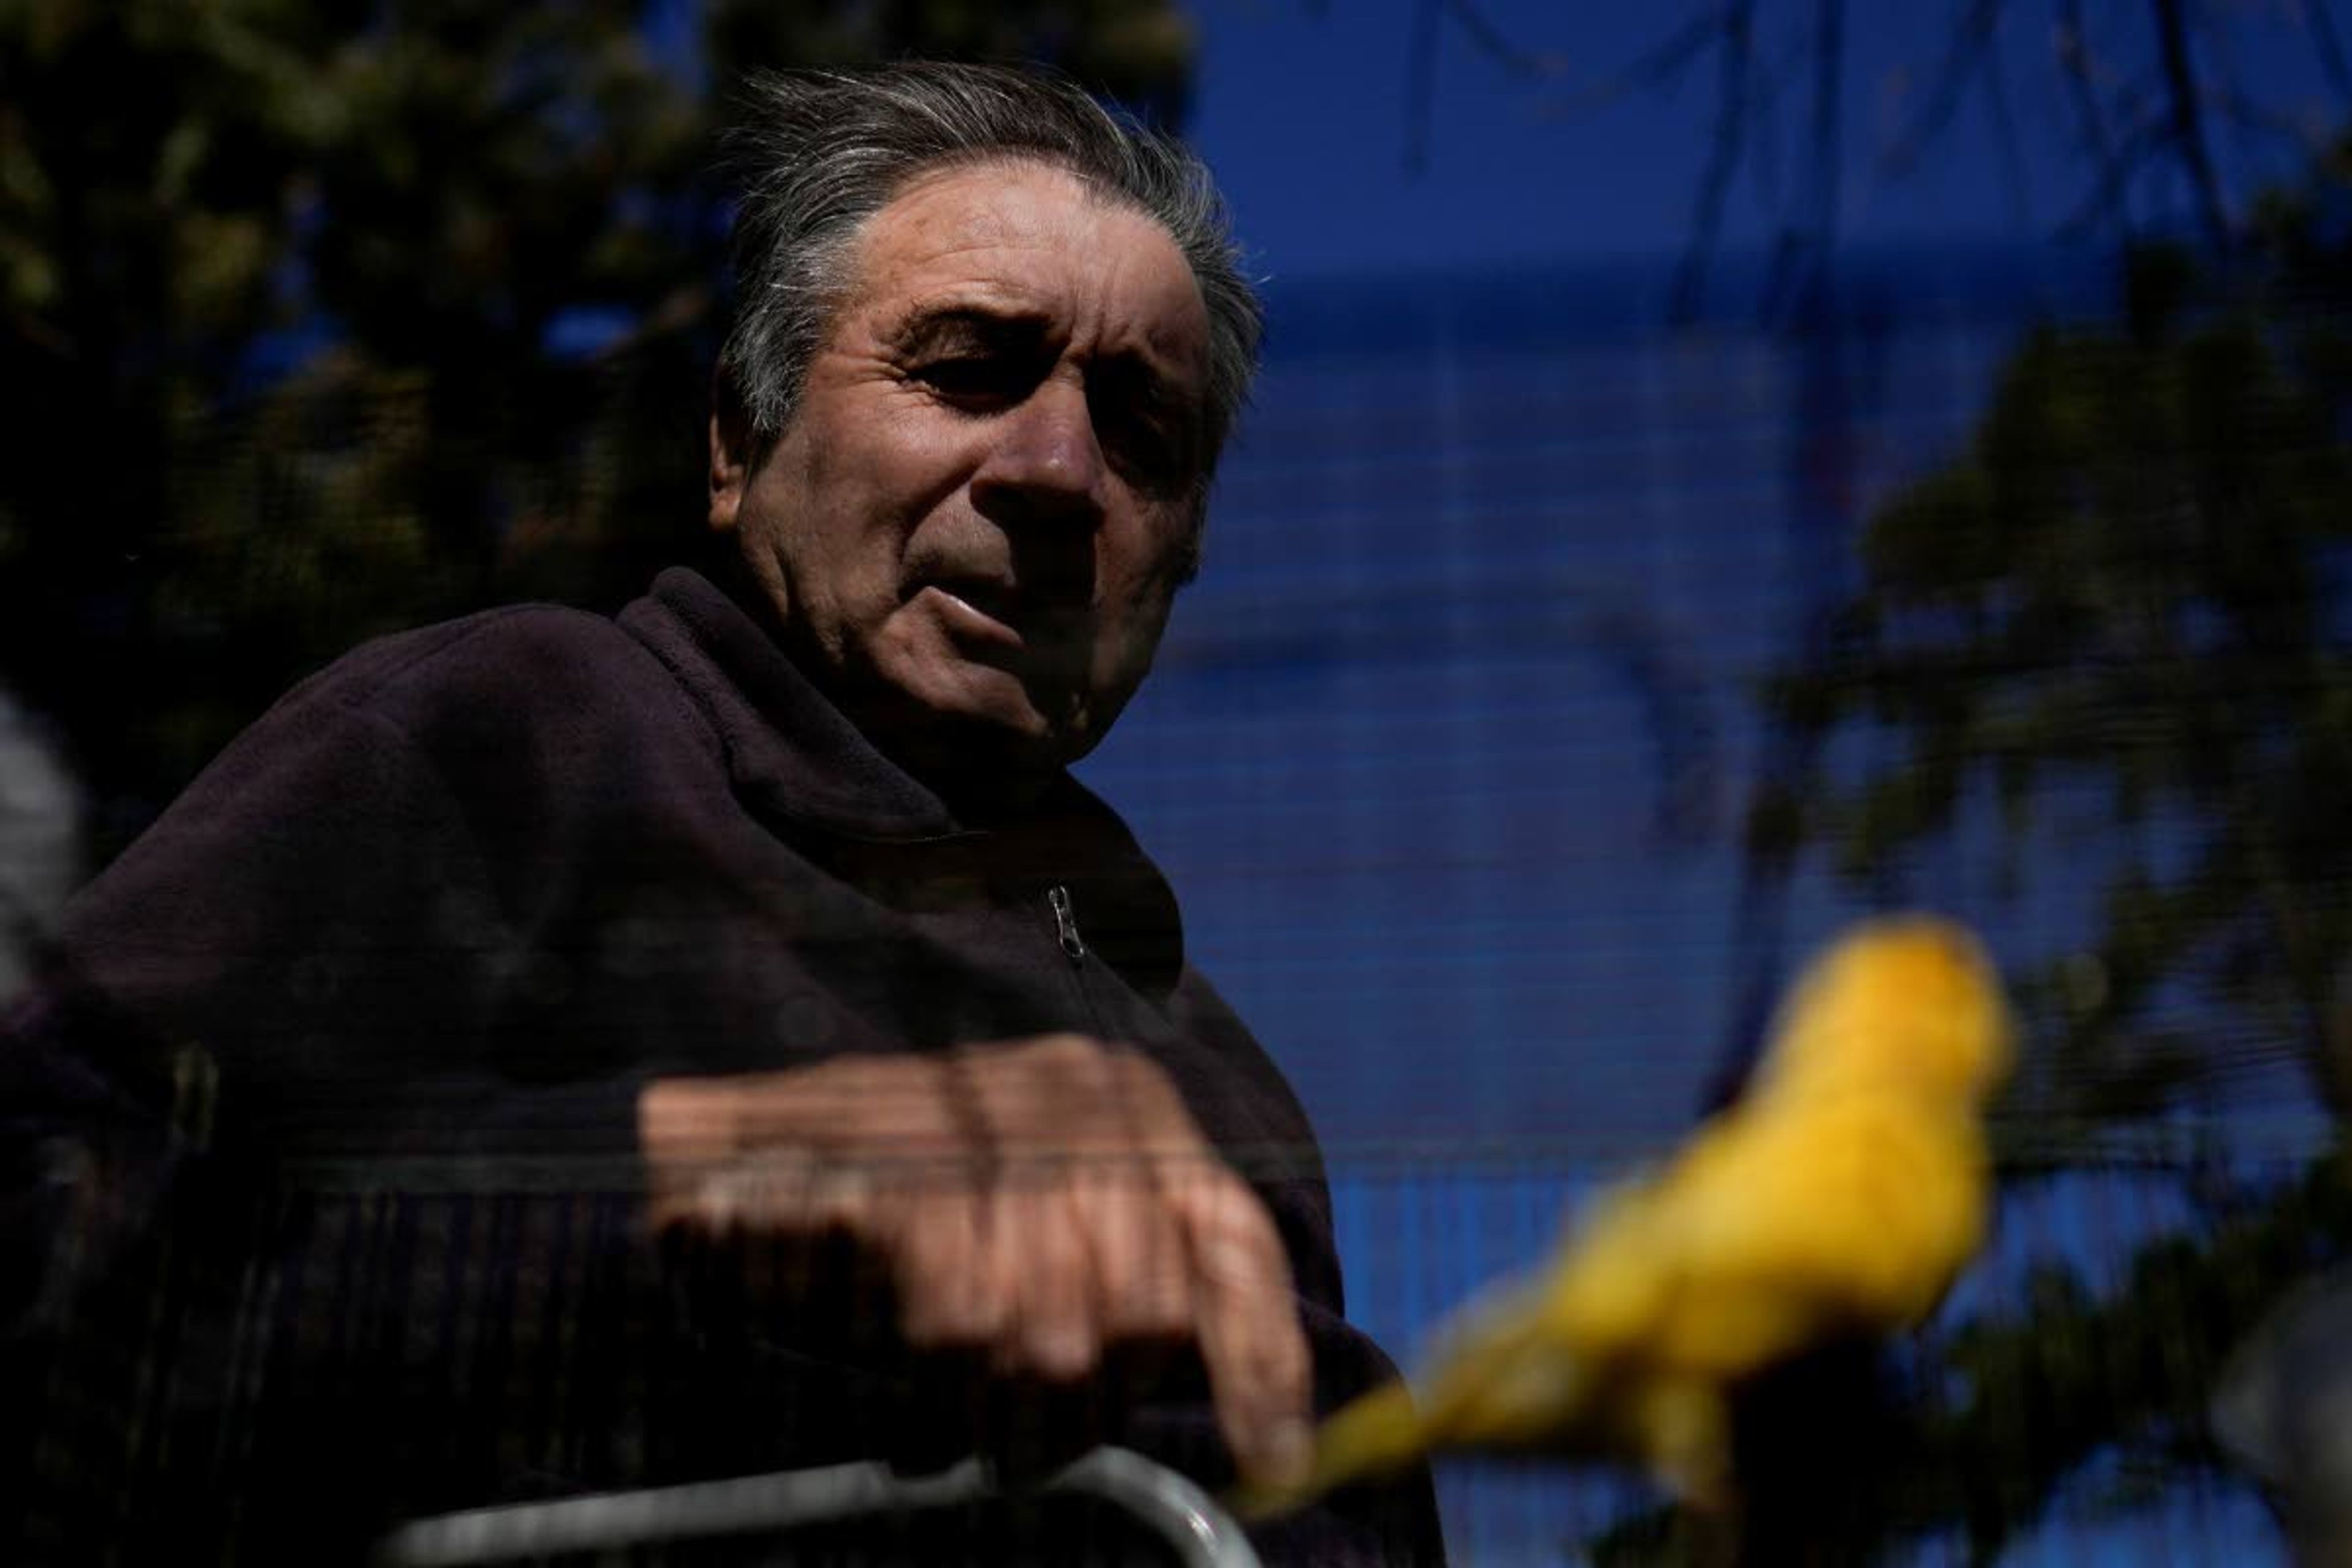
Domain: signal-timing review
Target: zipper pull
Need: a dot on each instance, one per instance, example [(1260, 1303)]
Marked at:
[(1066, 924)]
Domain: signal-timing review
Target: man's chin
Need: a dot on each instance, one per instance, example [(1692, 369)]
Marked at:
[(970, 749)]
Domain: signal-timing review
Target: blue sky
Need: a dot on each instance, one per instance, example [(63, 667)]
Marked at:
[(1429, 868), (1475, 413), (1306, 110)]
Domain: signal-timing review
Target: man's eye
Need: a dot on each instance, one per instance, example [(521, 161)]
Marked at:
[(1148, 444), (975, 378)]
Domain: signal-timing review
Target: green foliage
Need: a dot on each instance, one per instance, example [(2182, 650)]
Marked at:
[(2126, 597), (2124, 605), (285, 291)]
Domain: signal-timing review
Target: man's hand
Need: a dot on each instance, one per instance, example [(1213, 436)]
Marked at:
[(1036, 1202)]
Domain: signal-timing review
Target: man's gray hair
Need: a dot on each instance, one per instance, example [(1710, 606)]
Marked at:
[(818, 152)]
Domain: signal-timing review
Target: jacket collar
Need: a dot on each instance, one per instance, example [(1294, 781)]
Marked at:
[(789, 751), (792, 756)]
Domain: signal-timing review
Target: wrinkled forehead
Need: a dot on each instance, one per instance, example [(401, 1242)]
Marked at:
[(1028, 235)]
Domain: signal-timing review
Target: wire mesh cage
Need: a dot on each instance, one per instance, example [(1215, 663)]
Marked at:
[(379, 1345), (1549, 677), (412, 1365)]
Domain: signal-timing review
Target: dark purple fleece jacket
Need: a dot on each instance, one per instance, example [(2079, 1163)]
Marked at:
[(402, 958)]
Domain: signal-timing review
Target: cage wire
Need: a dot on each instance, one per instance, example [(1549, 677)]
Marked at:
[(1449, 755), (2055, 1406)]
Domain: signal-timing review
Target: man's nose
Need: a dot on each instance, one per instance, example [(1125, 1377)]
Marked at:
[(1045, 462)]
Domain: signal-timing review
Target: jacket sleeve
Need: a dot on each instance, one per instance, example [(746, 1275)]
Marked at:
[(302, 959)]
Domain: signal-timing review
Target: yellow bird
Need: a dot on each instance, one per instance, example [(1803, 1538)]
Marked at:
[(1841, 1196)]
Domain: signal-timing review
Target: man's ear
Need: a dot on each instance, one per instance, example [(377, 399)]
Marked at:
[(729, 471)]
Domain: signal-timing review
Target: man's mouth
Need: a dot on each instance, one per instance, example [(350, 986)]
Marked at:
[(988, 612), (997, 601)]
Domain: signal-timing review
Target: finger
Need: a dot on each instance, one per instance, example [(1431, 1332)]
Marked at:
[(717, 1198), (1141, 1265), (1142, 1290), (1244, 1308), (1054, 1335), (951, 1294), (1260, 1370)]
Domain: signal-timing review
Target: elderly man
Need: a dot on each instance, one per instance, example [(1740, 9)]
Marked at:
[(774, 891)]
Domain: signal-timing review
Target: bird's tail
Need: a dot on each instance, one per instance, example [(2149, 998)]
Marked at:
[(1373, 1435)]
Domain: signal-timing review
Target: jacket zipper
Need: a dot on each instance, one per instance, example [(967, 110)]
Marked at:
[(1073, 948), (1066, 923)]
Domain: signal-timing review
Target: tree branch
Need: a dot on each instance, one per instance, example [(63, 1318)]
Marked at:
[(2106, 196), (2004, 126), (1829, 83), (1421, 86), (2075, 69), (2330, 45), (1736, 39), (2186, 118), (1801, 257), (1490, 41), (1972, 35), (1659, 68)]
